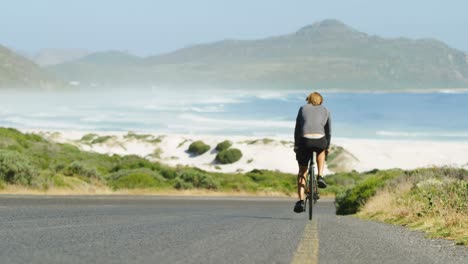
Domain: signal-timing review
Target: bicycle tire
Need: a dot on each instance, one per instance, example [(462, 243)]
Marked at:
[(311, 190)]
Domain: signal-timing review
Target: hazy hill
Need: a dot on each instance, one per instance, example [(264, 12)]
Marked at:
[(18, 72), (104, 68), (47, 57), (327, 54)]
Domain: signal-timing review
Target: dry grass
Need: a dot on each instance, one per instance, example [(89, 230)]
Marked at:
[(102, 190), (397, 206), (76, 190), (384, 202)]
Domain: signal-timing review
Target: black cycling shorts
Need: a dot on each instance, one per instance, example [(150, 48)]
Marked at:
[(307, 147)]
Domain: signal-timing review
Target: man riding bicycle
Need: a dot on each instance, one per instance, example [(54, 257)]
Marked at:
[(312, 134)]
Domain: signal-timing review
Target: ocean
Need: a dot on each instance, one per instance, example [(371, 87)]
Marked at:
[(410, 116)]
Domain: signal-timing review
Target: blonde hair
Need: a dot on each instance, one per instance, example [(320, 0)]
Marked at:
[(314, 98)]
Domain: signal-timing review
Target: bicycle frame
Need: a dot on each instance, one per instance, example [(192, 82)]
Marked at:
[(311, 188)]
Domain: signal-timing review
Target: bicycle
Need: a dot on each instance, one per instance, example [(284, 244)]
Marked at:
[(311, 190)]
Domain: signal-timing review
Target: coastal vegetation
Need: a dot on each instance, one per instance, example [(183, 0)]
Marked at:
[(228, 156), (434, 200), (33, 162), (264, 141), (223, 145), (144, 137), (198, 147)]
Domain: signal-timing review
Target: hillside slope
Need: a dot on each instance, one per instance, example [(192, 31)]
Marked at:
[(19, 72), (327, 54)]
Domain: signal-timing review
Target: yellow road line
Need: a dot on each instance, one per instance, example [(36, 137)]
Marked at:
[(307, 251)]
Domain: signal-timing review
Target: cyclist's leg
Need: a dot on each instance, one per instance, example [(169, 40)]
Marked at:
[(319, 146), (320, 158), (301, 181), (302, 157)]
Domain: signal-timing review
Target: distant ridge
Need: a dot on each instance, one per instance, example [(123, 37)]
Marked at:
[(47, 57), (18, 72), (326, 54)]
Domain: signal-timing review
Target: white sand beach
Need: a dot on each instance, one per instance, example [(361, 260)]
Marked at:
[(271, 153)]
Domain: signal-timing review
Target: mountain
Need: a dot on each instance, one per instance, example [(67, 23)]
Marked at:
[(18, 72), (326, 54), (47, 57), (108, 68)]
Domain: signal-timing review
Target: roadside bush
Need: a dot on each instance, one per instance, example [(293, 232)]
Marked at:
[(339, 182), (351, 200), (41, 181), (167, 172), (223, 145), (229, 156), (77, 168), (133, 162), (135, 178), (15, 168), (434, 200), (436, 195), (197, 179), (198, 147), (182, 185)]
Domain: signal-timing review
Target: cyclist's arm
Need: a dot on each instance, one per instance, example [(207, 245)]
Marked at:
[(328, 131), (298, 129)]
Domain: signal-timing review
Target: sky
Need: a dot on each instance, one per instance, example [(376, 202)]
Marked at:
[(149, 27)]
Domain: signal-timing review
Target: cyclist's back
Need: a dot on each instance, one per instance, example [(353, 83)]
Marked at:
[(312, 134)]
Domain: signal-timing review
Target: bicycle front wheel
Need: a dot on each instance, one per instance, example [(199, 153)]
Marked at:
[(311, 192)]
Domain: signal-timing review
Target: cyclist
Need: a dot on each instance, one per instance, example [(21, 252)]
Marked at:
[(312, 134)]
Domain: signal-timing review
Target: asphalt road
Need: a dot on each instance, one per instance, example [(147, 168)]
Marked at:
[(125, 229)]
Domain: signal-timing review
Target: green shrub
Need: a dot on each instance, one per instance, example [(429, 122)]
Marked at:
[(58, 180), (132, 162), (136, 178), (156, 153), (223, 145), (198, 147), (167, 172), (434, 195), (339, 182), (133, 181), (15, 168), (44, 180), (182, 143), (195, 178), (229, 156), (88, 137), (101, 139), (182, 185), (78, 168), (144, 137), (350, 200), (48, 179)]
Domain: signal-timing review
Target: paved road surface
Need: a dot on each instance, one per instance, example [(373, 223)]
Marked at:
[(201, 230)]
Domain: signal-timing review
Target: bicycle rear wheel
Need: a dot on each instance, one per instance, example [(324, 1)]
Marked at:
[(311, 190)]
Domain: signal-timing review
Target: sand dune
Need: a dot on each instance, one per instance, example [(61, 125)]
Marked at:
[(270, 153)]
